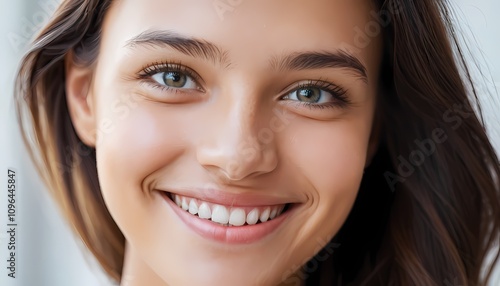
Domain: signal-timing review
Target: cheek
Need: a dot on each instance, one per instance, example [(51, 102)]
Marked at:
[(329, 159), (331, 156), (338, 171), (139, 141)]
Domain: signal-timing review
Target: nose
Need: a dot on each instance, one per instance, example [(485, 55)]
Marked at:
[(238, 143)]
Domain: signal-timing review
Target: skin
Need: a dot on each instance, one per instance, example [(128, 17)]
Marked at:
[(150, 140)]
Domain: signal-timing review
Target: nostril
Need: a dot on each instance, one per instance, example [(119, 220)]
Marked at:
[(235, 162)]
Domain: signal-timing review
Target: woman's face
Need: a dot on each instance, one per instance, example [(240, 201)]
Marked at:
[(231, 136)]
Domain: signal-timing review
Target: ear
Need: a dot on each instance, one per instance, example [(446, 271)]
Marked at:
[(79, 99)]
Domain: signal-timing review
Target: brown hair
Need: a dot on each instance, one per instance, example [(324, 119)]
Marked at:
[(428, 210)]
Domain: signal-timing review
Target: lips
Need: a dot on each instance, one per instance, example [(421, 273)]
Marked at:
[(230, 219), (228, 215)]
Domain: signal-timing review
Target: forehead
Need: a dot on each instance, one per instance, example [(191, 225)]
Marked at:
[(259, 27)]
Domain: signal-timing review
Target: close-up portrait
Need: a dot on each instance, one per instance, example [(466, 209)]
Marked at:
[(250, 143)]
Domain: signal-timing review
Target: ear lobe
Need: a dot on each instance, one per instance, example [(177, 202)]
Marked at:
[(79, 100)]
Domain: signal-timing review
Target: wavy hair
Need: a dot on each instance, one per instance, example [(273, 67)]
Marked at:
[(428, 209)]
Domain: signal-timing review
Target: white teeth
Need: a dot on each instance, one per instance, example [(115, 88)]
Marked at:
[(220, 214), (204, 211), (253, 216), (184, 205), (237, 217), (264, 216), (274, 212), (178, 200), (193, 207)]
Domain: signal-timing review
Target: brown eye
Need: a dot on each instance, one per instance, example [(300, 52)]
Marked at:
[(174, 79), (308, 94), (318, 94)]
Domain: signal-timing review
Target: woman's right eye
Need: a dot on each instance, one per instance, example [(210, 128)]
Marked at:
[(172, 77)]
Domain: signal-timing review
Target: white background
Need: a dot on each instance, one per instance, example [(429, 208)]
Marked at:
[(48, 253)]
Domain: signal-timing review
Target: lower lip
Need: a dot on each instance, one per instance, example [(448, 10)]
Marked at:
[(227, 234)]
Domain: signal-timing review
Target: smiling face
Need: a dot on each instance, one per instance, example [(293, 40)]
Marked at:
[(230, 143)]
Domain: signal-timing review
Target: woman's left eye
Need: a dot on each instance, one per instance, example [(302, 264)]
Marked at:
[(318, 94), (310, 95), (175, 79)]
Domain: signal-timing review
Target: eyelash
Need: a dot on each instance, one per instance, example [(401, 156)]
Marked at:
[(159, 67), (339, 94)]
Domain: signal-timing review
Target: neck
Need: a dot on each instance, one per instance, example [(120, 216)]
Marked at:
[(136, 272)]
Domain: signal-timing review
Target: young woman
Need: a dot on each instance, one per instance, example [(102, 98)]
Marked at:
[(264, 142)]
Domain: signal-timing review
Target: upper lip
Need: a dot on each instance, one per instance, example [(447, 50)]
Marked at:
[(241, 199)]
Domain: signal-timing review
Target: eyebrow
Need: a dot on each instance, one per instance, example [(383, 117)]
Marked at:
[(318, 60), (209, 51), (186, 45)]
